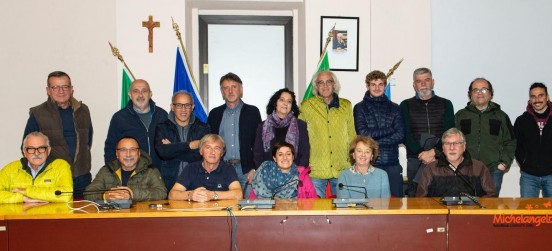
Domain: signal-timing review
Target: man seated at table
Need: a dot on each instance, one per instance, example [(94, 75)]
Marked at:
[(455, 172), (209, 179), (37, 176), (130, 177)]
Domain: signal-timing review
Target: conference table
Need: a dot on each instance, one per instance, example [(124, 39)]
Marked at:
[(304, 224)]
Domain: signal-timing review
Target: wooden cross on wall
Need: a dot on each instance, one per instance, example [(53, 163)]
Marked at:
[(150, 24)]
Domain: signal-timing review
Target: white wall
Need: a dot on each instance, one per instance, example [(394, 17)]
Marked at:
[(39, 37), (507, 42)]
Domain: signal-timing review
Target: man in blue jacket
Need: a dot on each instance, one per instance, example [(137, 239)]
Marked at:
[(236, 122), (177, 139), (137, 120), (376, 116)]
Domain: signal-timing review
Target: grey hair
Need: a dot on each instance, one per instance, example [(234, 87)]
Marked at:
[(211, 137), (36, 134), (451, 132), (182, 92), (337, 85), (420, 71), (138, 80)]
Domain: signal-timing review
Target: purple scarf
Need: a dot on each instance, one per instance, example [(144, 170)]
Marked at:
[(273, 121)]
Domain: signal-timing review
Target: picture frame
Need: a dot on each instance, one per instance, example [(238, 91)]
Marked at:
[(343, 46)]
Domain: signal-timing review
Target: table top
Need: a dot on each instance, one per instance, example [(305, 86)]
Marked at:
[(392, 206), (287, 207)]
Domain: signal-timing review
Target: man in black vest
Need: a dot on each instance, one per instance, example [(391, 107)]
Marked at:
[(66, 121), (426, 117)]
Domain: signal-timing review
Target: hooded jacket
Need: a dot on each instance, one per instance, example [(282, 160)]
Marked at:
[(489, 134), (145, 182), (534, 147)]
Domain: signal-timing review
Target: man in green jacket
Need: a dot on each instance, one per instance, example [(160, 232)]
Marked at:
[(130, 177), (488, 130)]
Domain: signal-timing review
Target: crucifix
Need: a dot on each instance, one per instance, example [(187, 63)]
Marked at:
[(150, 24)]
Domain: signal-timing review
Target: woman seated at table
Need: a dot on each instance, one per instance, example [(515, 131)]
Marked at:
[(282, 124), (363, 152), (281, 178)]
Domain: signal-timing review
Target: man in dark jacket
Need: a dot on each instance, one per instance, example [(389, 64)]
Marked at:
[(534, 144), (488, 130), (426, 117), (376, 116), (177, 139), (130, 177), (67, 123), (236, 122), (455, 171), (137, 120)]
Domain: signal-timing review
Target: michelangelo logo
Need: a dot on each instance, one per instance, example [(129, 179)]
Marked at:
[(502, 220), (521, 220)]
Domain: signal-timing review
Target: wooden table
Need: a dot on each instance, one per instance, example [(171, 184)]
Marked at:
[(505, 224), (305, 224)]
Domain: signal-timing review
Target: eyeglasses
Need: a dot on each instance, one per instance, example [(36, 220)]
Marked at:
[(480, 91), (328, 82), (128, 150), (61, 87), (32, 150), (137, 92), (455, 144), (182, 106)]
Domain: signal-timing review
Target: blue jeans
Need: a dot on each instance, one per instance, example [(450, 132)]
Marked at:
[(242, 178), (394, 173), (531, 185), (497, 179), (79, 185), (320, 186)]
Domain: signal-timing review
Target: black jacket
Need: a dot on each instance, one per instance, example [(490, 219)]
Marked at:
[(534, 150), (250, 118)]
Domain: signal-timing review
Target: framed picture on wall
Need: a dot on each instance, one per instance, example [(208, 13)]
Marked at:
[(343, 44)]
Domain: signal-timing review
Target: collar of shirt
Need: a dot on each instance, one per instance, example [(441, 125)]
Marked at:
[(33, 173), (371, 169)]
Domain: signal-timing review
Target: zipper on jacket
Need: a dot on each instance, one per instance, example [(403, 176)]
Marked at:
[(427, 117)]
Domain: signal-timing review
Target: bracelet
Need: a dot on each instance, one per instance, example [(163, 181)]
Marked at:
[(189, 197)]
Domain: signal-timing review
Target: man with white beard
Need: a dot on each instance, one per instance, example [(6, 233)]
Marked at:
[(426, 117)]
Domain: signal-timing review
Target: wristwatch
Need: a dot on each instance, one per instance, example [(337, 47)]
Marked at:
[(215, 196)]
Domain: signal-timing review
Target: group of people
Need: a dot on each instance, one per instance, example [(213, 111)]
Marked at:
[(325, 147)]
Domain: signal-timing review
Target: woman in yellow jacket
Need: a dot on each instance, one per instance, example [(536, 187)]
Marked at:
[(331, 127)]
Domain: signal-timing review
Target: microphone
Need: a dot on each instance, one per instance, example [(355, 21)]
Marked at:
[(341, 186), (59, 192), (463, 178), (280, 187)]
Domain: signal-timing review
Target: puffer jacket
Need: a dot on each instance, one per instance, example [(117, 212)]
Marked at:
[(382, 120), (54, 176)]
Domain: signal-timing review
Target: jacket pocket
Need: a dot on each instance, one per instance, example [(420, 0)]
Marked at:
[(465, 126), (494, 126)]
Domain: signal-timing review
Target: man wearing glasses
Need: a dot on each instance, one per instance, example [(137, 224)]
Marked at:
[(455, 172), (331, 127), (137, 120), (66, 121), (130, 177), (177, 139), (488, 130), (35, 177)]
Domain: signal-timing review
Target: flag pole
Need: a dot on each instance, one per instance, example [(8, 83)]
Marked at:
[(392, 70), (117, 54), (179, 35), (328, 39)]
